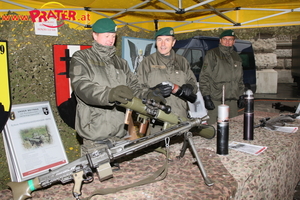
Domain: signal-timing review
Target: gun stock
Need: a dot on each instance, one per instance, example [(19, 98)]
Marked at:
[(22, 190)]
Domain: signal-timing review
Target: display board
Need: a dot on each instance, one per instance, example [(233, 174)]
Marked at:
[(32, 141)]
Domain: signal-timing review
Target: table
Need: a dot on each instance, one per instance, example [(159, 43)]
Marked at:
[(270, 175)]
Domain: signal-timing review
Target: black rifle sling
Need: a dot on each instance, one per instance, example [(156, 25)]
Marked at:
[(161, 173)]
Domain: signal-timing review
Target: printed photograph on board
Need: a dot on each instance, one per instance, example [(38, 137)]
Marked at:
[(134, 50), (36, 137)]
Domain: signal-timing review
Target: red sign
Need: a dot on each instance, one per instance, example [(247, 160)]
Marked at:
[(62, 55)]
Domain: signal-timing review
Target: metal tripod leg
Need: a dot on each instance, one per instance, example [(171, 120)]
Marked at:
[(183, 149), (189, 137)]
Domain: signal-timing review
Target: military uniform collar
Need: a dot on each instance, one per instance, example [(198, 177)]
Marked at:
[(167, 60), (225, 49), (105, 51)]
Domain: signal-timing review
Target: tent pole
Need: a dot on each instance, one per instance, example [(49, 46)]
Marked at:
[(220, 13), (265, 17), (156, 24)]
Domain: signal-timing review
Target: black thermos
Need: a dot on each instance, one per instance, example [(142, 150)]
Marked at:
[(248, 115)]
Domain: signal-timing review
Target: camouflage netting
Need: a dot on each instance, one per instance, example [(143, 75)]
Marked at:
[(32, 78), (31, 70)]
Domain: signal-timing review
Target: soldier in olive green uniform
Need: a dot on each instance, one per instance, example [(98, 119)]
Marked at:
[(99, 79), (165, 65), (222, 66)]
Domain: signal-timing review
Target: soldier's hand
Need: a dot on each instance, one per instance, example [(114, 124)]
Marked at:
[(155, 95), (165, 89), (121, 94), (241, 102), (187, 89), (209, 105)]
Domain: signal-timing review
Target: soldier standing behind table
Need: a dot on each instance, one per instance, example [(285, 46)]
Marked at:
[(165, 65), (222, 66)]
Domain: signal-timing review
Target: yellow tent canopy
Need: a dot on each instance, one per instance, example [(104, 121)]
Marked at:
[(150, 15)]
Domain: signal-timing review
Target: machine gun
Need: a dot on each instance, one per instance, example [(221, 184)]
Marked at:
[(81, 170), (34, 141), (276, 121)]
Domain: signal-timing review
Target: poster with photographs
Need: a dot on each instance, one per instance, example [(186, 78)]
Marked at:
[(134, 50), (32, 142)]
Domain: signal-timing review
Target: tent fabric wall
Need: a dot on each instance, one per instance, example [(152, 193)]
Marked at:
[(183, 16)]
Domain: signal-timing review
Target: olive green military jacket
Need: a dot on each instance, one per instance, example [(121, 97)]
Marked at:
[(222, 66), (156, 68), (93, 73)]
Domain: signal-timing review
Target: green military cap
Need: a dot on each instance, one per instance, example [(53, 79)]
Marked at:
[(104, 25), (168, 31), (227, 33)]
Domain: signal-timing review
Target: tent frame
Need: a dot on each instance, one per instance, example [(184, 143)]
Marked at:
[(174, 10)]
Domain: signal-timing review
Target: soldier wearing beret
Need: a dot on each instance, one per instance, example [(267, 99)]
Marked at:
[(165, 65), (222, 66), (99, 79)]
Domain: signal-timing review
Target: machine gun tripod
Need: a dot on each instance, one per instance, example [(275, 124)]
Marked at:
[(188, 140)]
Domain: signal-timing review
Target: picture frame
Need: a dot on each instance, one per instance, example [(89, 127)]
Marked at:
[(32, 141), (135, 49)]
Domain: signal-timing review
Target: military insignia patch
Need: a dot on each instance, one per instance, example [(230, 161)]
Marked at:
[(158, 66)]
